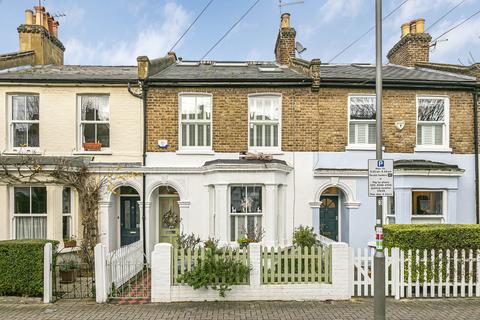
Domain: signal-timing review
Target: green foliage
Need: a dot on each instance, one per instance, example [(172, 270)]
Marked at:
[(216, 272), (212, 244), (21, 265), (432, 236), (304, 237), (189, 241), (69, 265), (244, 241)]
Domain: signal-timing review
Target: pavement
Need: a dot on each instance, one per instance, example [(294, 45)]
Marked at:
[(461, 308)]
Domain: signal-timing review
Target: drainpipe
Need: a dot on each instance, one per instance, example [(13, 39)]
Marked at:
[(144, 85), (475, 139)]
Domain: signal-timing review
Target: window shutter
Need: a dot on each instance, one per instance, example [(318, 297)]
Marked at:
[(372, 133), (428, 134), (362, 133), (352, 133), (438, 135)]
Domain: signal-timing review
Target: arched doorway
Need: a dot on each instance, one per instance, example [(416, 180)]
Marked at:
[(169, 214), (330, 213), (129, 215)]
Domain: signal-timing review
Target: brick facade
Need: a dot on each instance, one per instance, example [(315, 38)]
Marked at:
[(410, 50), (311, 121)]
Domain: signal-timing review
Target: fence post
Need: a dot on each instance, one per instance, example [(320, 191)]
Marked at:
[(162, 272), (340, 269), (255, 255), (396, 272), (101, 293), (47, 273)]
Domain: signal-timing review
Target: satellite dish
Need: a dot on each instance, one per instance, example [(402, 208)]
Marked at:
[(299, 47)]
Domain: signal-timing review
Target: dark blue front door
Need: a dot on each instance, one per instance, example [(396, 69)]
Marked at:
[(129, 220), (329, 217)]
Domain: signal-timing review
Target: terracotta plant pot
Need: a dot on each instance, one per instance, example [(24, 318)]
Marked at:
[(92, 146), (68, 276), (69, 243)]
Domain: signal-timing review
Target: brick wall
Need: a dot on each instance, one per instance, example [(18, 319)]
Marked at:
[(410, 50), (311, 121)]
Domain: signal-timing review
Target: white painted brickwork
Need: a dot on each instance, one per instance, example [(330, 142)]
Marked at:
[(163, 291)]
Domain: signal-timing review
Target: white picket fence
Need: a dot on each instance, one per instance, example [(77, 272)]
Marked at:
[(426, 273), (123, 264)]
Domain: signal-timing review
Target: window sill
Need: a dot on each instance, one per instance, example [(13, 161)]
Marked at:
[(195, 152), (83, 152), (428, 216), (432, 149), (31, 151), (362, 147)]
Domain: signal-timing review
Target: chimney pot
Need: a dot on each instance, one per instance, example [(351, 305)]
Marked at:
[(28, 16), (285, 20), (405, 29), (420, 25)]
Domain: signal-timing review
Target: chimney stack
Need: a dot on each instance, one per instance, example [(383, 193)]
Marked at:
[(39, 33), (413, 46), (285, 45)]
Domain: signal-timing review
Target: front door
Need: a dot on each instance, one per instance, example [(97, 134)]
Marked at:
[(329, 217), (129, 220), (169, 219)]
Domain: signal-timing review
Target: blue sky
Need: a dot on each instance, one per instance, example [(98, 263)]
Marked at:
[(112, 32)]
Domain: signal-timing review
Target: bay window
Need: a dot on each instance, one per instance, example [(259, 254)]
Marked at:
[(432, 122), (30, 212), (245, 211), (195, 121), (362, 115), (428, 206), (24, 121), (94, 119), (264, 122)]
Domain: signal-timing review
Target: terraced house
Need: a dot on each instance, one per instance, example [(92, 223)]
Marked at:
[(317, 123), (229, 149), (80, 114)]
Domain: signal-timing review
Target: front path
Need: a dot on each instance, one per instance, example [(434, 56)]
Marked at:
[(355, 309)]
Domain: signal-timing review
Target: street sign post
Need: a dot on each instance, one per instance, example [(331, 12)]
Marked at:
[(380, 178)]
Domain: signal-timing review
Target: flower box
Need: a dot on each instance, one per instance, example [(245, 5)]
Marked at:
[(92, 146)]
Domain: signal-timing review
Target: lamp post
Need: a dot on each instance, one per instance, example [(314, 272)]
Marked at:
[(379, 257)]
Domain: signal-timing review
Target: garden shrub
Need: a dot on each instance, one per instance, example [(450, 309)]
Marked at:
[(304, 237), (217, 272), (21, 267), (432, 236), (425, 237)]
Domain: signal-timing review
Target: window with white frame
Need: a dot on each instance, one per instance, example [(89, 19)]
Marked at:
[(432, 121), (264, 121), (428, 203), (24, 121), (362, 115), (30, 212), (67, 213), (245, 211), (94, 120), (195, 121)]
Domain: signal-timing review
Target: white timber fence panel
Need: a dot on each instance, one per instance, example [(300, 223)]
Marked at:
[(123, 264), (418, 273)]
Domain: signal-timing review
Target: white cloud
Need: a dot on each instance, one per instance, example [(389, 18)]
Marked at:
[(153, 41), (461, 41), (334, 9)]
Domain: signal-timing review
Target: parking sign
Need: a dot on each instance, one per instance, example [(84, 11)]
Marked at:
[(380, 178)]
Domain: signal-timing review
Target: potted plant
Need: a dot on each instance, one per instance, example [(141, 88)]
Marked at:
[(69, 242), (92, 146), (68, 271), (244, 241)]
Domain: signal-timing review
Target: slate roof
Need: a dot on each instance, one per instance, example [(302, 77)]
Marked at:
[(419, 164), (390, 72), (213, 72), (243, 161), (73, 73), (43, 160)]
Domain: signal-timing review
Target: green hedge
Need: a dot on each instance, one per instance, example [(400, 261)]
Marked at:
[(432, 236), (21, 267)]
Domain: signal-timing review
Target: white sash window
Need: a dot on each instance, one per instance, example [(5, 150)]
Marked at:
[(245, 211), (24, 121), (362, 126), (30, 212), (195, 121), (432, 122), (264, 122)]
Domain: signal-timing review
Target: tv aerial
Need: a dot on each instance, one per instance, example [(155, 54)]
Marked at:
[(282, 4)]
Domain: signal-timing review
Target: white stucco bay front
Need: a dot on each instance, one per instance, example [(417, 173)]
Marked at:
[(292, 185)]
